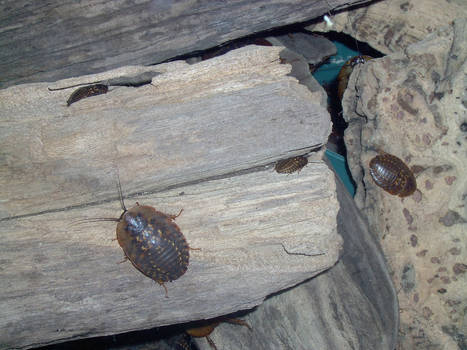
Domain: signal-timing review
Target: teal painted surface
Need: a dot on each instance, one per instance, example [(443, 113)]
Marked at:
[(340, 166), (328, 72)]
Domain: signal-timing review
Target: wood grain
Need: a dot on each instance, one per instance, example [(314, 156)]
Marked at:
[(203, 138), (213, 118), (353, 305), (50, 40), (62, 279)]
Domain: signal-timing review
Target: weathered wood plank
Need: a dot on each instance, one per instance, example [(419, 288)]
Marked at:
[(50, 40), (62, 281), (353, 305), (216, 117), (201, 138)]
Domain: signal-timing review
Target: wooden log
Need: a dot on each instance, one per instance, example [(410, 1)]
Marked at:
[(214, 118), (202, 138), (353, 305), (257, 233), (50, 40)]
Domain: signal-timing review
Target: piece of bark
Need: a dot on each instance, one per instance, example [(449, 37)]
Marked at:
[(353, 305), (257, 233), (201, 138), (50, 40), (216, 117)]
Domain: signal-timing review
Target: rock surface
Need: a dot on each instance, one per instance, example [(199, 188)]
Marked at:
[(391, 26), (351, 306), (412, 104)]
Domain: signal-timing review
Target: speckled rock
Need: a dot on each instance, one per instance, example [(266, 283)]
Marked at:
[(391, 26), (413, 104)]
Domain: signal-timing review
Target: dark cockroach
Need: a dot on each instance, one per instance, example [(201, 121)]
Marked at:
[(152, 242), (205, 328), (87, 91), (102, 86), (391, 174), (346, 70), (290, 165)]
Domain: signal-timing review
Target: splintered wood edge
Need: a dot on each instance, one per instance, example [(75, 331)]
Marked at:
[(240, 225)]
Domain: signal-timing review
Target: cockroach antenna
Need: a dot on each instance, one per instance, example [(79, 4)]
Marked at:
[(120, 193)]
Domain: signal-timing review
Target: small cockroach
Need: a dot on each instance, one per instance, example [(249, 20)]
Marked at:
[(207, 327), (290, 165), (391, 174), (87, 91), (346, 70)]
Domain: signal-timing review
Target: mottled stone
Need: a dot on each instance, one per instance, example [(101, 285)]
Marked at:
[(455, 251), (427, 83), (422, 252), (450, 179), (459, 268), (391, 26), (451, 218)]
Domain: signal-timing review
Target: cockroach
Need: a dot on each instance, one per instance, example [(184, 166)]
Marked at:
[(290, 165), (393, 175), (346, 70), (87, 91), (152, 242)]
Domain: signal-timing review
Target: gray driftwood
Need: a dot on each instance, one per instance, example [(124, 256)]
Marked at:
[(50, 40), (217, 117), (202, 138), (353, 305)]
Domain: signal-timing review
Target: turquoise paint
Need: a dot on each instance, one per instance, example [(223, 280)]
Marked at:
[(340, 167), (327, 74)]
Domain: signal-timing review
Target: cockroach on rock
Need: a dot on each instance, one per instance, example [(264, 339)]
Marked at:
[(391, 174), (346, 70), (290, 165), (152, 242)]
